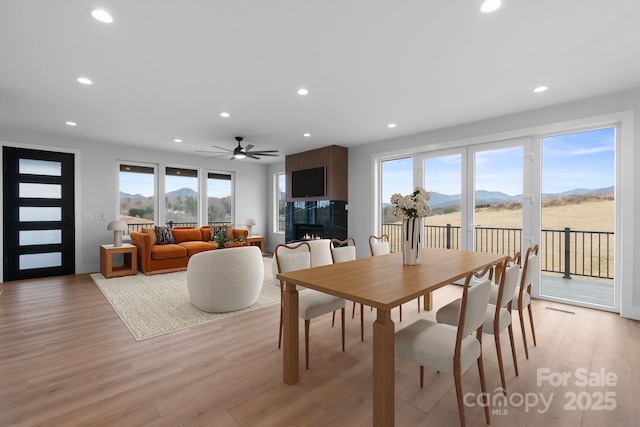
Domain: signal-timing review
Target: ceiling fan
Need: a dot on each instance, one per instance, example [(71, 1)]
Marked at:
[(239, 152)]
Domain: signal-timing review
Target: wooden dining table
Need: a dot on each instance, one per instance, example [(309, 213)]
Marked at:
[(382, 282)]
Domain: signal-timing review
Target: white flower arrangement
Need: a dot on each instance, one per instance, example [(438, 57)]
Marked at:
[(413, 205)]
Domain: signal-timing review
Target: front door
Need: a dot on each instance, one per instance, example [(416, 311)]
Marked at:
[(38, 197)]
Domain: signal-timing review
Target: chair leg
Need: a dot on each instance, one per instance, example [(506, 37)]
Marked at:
[(361, 322), (342, 312), (307, 324), (353, 310), (496, 336), (421, 376), (524, 334), (533, 331), (401, 312), (280, 335), (483, 385), (457, 378), (418, 304), (333, 319), (513, 349)]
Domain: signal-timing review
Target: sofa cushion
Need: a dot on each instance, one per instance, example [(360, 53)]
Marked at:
[(167, 251), (186, 234), (165, 235), (151, 231), (194, 247)]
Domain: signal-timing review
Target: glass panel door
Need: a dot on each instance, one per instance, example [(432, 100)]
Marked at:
[(39, 225), (577, 237), (497, 198), (396, 177)]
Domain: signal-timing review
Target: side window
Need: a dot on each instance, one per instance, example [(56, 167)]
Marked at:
[(219, 198), (279, 201), (137, 195)]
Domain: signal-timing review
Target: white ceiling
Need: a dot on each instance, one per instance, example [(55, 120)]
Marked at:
[(166, 69)]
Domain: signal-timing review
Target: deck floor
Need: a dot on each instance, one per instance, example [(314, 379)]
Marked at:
[(575, 289)]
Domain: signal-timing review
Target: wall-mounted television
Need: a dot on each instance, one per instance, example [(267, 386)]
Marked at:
[(308, 182)]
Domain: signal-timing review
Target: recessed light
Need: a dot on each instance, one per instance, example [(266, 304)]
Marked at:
[(540, 89), (70, 123), (306, 135), (391, 125), (84, 81), (102, 16), (303, 91), (177, 140), (489, 6), (225, 114)]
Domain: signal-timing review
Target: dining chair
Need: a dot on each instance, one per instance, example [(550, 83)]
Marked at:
[(447, 348), (498, 315), (379, 245), (311, 303), (343, 251), (522, 299)]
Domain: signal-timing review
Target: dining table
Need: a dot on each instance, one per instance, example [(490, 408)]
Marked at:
[(382, 282)]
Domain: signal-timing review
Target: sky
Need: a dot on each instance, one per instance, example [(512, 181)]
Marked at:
[(137, 183), (570, 161)]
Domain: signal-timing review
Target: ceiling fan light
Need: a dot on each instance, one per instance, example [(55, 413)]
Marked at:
[(239, 156)]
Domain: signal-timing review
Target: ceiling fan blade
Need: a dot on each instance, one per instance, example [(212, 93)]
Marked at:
[(266, 153), (220, 153), (248, 147), (252, 156), (222, 148)]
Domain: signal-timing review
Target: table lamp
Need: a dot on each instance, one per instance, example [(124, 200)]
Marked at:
[(249, 222), (118, 228)]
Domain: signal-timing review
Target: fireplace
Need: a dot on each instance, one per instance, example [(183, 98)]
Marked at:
[(307, 232), (322, 219)]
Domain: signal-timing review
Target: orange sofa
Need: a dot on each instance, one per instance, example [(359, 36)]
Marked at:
[(154, 258)]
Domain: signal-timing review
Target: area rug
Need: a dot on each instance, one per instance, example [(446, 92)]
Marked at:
[(155, 305)]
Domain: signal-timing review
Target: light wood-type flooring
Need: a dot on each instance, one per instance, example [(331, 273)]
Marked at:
[(66, 359)]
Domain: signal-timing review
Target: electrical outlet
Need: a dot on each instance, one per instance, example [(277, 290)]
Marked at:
[(88, 216)]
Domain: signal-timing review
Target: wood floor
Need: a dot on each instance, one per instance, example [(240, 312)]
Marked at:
[(66, 359)]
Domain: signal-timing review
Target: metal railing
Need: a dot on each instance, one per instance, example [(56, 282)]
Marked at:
[(137, 226), (569, 252)]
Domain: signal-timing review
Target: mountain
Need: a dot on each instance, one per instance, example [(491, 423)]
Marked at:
[(439, 200), (581, 192), (183, 192), (124, 195)]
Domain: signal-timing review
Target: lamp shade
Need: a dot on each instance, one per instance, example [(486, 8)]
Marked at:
[(118, 228), (249, 221)]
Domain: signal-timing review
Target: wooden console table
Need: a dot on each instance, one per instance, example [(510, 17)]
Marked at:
[(256, 241), (130, 265)]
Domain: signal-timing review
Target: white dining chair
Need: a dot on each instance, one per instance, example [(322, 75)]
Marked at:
[(498, 316), (343, 251), (447, 348), (311, 303)]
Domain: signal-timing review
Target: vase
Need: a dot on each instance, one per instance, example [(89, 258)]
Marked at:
[(412, 240)]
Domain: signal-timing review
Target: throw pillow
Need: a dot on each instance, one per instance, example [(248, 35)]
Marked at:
[(214, 230), (165, 236)]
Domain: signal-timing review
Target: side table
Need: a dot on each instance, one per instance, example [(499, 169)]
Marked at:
[(130, 265), (256, 241)]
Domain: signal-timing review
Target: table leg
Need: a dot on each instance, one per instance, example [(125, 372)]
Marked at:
[(428, 301), (290, 353), (383, 369)]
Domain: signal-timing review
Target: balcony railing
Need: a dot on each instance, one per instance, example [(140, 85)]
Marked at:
[(139, 225), (569, 252)]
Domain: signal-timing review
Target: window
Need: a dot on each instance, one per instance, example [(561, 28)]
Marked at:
[(219, 198), (181, 196), (280, 186), (137, 195), (396, 177)]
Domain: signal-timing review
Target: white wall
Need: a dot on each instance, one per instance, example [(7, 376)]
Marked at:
[(97, 181), (361, 173)]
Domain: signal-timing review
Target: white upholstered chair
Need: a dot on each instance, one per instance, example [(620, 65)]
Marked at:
[(498, 316), (447, 348), (311, 303), (225, 280), (343, 251), (522, 299)]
